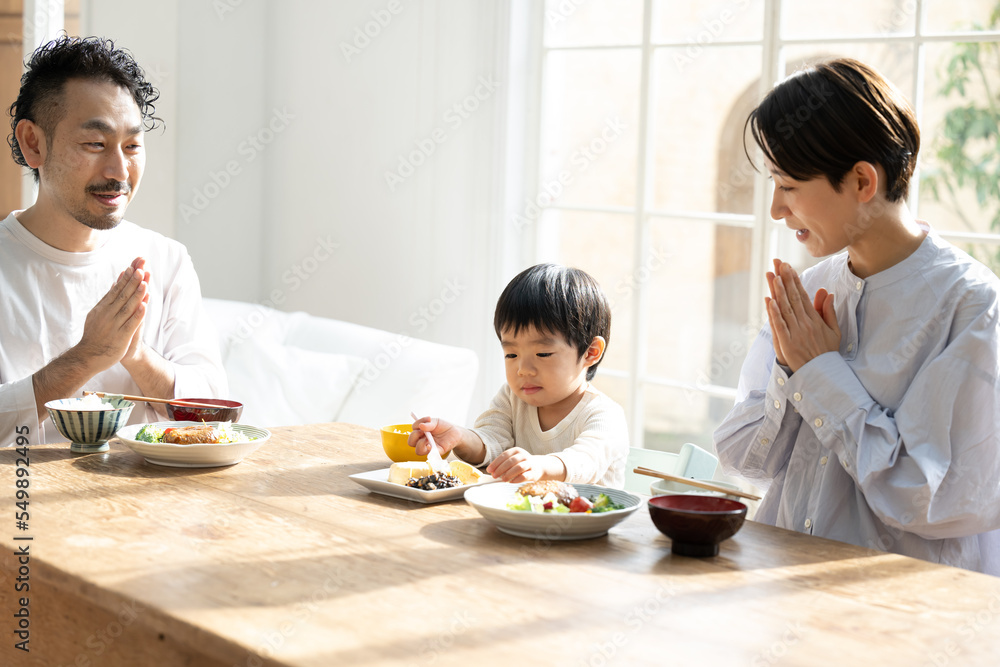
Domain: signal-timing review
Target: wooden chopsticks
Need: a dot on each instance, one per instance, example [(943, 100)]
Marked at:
[(693, 482), (147, 399)]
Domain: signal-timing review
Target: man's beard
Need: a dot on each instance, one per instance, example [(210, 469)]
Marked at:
[(104, 223), (109, 220)]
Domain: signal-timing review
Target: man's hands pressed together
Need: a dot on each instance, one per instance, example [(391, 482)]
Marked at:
[(112, 331)]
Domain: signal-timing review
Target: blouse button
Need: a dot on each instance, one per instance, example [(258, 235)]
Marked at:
[(858, 284), (781, 382), (850, 346), (797, 396), (764, 441), (808, 523), (823, 461), (818, 422), (777, 405)]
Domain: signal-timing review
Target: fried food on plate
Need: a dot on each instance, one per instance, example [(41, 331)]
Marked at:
[(563, 492), (191, 435)]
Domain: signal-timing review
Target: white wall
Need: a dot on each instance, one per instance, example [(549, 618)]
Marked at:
[(272, 167)]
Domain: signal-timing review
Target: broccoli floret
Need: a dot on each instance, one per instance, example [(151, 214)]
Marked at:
[(602, 503), (150, 433)]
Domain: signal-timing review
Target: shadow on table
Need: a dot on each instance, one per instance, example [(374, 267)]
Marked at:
[(270, 476), (636, 546), (280, 581), (119, 463), (253, 478), (9, 455), (601, 620)]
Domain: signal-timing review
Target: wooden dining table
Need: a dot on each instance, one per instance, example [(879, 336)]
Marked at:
[(284, 560)]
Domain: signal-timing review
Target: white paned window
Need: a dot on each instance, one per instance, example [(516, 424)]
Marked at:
[(642, 168)]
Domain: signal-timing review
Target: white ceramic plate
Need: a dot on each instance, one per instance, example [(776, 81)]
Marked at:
[(492, 501), (378, 482), (194, 456)]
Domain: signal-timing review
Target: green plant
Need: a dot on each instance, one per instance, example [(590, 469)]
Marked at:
[(967, 145)]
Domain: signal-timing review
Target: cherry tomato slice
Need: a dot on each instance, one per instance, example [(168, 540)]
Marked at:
[(580, 504)]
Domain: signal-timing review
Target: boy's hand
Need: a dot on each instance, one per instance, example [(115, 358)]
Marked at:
[(517, 465), (446, 435)]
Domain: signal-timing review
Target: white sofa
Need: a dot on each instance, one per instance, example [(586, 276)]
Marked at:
[(296, 368)]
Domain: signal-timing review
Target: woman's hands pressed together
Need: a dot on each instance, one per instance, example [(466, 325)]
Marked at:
[(802, 329)]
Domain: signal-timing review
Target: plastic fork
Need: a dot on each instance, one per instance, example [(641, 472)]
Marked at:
[(434, 456)]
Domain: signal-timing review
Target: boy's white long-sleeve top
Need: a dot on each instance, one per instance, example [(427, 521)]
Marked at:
[(893, 442), (47, 294), (592, 440)]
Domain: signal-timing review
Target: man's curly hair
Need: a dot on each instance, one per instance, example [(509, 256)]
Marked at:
[(52, 64)]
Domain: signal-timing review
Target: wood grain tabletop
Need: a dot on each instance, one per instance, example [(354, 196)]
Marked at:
[(284, 560)]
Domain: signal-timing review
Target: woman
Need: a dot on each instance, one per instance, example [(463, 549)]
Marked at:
[(868, 407)]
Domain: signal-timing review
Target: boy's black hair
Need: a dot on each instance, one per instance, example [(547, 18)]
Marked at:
[(52, 65), (823, 120), (556, 299)]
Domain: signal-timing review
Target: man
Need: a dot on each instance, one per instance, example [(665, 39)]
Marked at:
[(78, 124)]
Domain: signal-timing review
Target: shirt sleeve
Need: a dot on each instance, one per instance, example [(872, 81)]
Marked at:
[(496, 426), (756, 438), (601, 445), (18, 417), (931, 467), (189, 340)]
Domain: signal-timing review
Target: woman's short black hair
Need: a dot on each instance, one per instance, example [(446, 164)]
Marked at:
[(825, 119), (53, 64), (556, 299)]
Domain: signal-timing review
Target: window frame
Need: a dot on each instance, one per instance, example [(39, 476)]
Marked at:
[(765, 237)]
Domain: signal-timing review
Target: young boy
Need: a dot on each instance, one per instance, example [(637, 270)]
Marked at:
[(547, 421), (869, 410)]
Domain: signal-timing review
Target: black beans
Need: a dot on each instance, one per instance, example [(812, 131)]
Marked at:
[(434, 482)]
